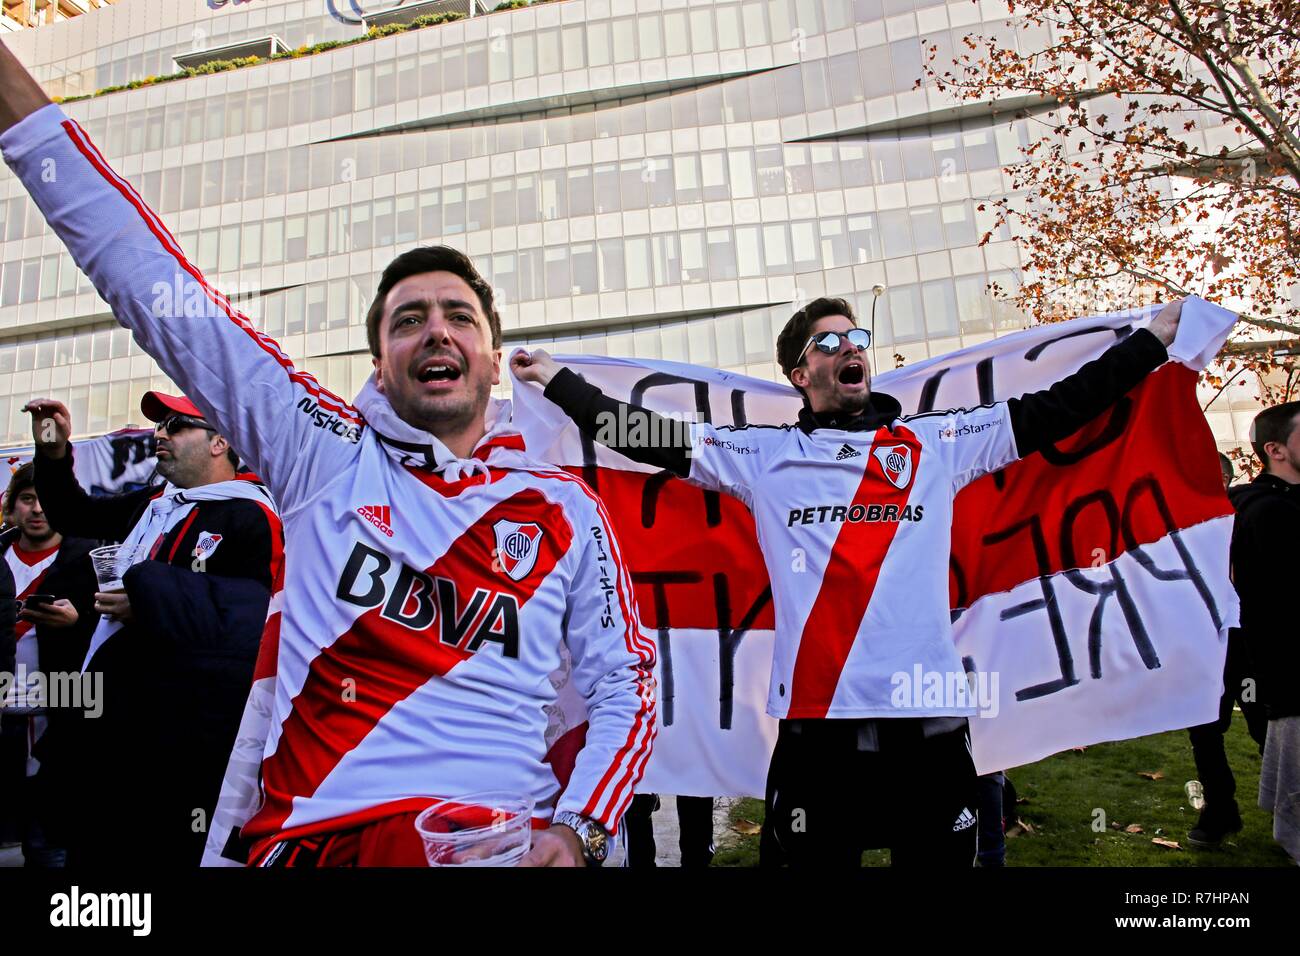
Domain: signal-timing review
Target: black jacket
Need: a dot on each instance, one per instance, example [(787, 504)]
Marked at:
[(176, 678), (1264, 539), (8, 616), (69, 576), (60, 651)]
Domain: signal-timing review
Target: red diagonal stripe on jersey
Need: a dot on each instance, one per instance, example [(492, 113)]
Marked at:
[(21, 627), (848, 584), (387, 662)]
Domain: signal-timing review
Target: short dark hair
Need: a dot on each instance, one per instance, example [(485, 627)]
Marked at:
[(431, 259), (1226, 466), (24, 477), (790, 343), (1273, 425)]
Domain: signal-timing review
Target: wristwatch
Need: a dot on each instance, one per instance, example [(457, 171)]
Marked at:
[(592, 836)]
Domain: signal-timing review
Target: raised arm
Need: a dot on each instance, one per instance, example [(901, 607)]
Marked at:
[(70, 509), (1041, 418), (295, 434), (591, 409)]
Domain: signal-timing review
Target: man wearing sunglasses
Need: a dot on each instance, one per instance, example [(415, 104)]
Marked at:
[(176, 647), (865, 494)]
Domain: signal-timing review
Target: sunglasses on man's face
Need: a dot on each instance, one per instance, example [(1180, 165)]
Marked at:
[(175, 423), (828, 343)]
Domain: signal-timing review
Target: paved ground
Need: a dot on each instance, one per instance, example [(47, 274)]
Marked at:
[(667, 852), (665, 823)]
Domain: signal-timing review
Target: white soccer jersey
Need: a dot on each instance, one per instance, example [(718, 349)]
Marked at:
[(426, 601), (855, 529), (29, 570)]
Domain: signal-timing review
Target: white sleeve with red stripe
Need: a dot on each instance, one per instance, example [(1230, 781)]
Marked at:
[(241, 380), (613, 669)]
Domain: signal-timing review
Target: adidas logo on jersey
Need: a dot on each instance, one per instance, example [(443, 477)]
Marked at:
[(380, 516), (848, 451), (965, 820)]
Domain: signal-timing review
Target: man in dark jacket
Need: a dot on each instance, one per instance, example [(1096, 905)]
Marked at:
[(176, 647), (1264, 540), (50, 637), (1220, 815)]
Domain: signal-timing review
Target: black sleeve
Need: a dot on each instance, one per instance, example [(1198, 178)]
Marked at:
[(1041, 418), (8, 617), (71, 511), (589, 408)]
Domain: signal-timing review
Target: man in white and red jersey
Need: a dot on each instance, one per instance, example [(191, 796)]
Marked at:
[(436, 576), (174, 649), (53, 622), (864, 495)]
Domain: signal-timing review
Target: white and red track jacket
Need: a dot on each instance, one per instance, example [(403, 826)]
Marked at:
[(426, 600)]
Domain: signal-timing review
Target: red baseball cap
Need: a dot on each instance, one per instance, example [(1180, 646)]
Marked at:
[(159, 405)]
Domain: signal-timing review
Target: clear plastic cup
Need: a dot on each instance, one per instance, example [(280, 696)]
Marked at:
[(107, 571), (481, 829)]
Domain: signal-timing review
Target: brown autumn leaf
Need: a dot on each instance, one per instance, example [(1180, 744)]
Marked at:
[(1171, 844), (1133, 828), (746, 827), (1151, 774), (1097, 223)]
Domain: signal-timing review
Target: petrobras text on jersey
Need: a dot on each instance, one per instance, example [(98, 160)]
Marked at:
[(855, 513)]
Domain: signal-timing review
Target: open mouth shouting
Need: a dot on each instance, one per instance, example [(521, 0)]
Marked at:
[(438, 371), (852, 373)]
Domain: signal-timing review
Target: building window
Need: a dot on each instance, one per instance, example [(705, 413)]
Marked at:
[(610, 263), (584, 268), (776, 249), (637, 262), (677, 41), (722, 255), (651, 41), (940, 307)]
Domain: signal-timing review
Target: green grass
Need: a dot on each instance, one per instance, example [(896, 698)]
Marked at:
[(1059, 796)]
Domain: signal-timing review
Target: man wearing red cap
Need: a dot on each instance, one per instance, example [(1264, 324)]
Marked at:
[(177, 645)]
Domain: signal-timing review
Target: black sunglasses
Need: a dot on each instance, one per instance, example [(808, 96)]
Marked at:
[(174, 423), (828, 342)]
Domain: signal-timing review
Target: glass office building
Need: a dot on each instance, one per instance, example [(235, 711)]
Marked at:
[(651, 178)]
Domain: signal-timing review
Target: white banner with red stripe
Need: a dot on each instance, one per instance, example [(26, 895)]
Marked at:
[(1089, 583)]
